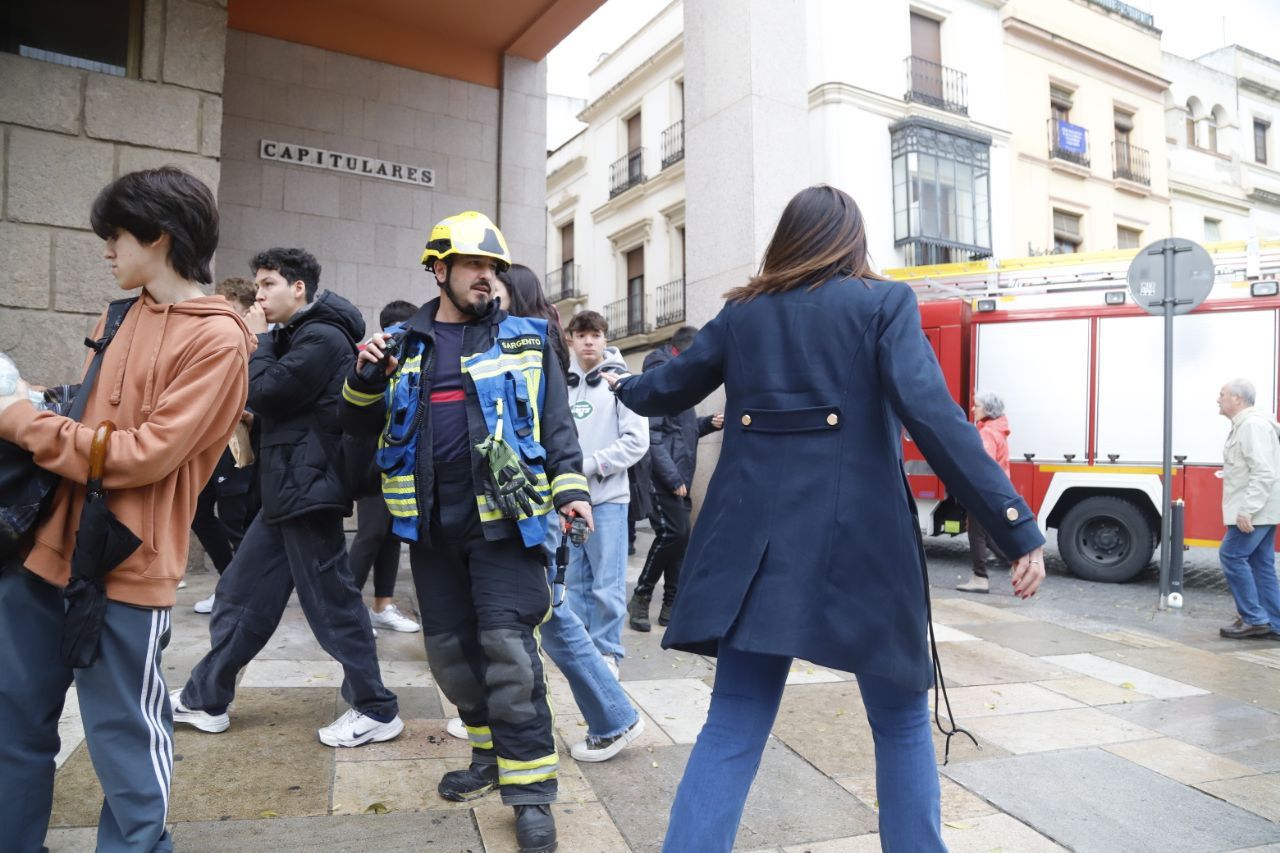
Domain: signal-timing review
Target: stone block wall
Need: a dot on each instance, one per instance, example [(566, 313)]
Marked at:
[(367, 233), (64, 134)]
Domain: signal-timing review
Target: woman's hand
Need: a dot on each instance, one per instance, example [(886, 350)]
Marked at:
[(1028, 571), (613, 379)]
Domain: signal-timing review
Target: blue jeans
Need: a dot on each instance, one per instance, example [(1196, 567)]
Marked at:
[(724, 761), (597, 579), (598, 694), (1249, 562)]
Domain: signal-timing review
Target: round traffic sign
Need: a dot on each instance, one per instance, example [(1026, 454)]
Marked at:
[(1192, 275)]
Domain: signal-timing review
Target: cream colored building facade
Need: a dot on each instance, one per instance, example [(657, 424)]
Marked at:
[(1086, 108)]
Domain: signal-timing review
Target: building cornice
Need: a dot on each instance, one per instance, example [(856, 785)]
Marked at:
[(564, 172), (626, 239), (1257, 87), (1213, 194), (1017, 30), (593, 109), (835, 92), (564, 205)]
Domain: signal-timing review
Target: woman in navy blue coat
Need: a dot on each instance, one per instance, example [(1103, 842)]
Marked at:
[(807, 543)]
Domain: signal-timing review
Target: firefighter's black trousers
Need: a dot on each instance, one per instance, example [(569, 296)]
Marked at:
[(481, 604)]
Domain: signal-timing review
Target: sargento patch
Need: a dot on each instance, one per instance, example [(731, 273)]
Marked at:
[(524, 344)]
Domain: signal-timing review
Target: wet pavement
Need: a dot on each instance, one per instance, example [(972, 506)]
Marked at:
[(1103, 724)]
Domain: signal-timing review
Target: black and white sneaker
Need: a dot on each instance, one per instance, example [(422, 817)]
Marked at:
[(202, 720), (355, 729), (603, 748)]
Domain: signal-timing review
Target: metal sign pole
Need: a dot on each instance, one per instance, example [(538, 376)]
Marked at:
[(1169, 303)]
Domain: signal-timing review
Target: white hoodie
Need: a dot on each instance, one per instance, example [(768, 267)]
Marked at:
[(613, 438)]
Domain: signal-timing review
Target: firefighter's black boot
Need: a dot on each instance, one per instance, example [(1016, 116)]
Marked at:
[(463, 785), (638, 611), (664, 615), (535, 829)]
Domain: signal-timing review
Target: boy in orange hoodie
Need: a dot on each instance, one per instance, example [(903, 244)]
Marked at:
[(174, 381)]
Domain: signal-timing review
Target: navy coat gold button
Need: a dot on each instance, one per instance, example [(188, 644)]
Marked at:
[(806, 543)]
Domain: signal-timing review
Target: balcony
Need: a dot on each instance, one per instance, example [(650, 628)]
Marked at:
[(626, 318), (1130, 163), (563, 283), (936, 85), (673, 144), (1069, 142), (626, 172), (670, 299), (1124, 10)]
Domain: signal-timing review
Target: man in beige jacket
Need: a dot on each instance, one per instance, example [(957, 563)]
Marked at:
[(1250, 510)]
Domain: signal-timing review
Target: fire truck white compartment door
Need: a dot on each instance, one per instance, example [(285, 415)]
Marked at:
[(1040, 368), (1210, 349)]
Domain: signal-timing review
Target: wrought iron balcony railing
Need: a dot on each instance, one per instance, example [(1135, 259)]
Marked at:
[(936, 85), (1131, 163), (563, 283), (626, 317), (673, 144), (1068, 142), (670, 308), (626, 172)]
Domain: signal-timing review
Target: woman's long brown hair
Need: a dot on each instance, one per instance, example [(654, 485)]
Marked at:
[(820, 236)]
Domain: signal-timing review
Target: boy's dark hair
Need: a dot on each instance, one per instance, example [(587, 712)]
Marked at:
[(237, 289), (160, 201), (588, 321), (396, 312), (292, 264), (683, 337)]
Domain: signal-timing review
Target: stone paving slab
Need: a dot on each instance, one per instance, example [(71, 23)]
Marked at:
[(678, 705), (983, 662), (1122, 674), (957, 803), (990, 700), (452, 831), (1091, 800), (947, 634), (584, 826), (1040, 639), (967, 611), (1220, 673), (988, 834), (1052, 730), (1180, 761), (1093, 691), (219, 777), (1258, 794), (638, 789), (1219, 724)]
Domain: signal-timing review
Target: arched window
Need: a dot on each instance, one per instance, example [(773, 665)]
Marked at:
[(1194, 110), (1217, 121)]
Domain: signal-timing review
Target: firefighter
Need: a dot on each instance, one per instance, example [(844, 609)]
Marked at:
[(478, 450)]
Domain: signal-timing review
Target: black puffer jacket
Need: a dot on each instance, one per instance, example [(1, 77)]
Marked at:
[(295, 387), (673, 440)]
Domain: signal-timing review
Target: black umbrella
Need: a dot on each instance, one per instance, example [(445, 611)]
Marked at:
[(102, 543)]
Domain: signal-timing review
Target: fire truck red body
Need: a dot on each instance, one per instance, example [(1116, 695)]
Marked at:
[(1079, 367)]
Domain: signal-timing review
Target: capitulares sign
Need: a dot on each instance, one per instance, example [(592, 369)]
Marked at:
[(352, 164)]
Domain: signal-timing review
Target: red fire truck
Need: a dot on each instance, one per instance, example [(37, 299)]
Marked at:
[(1080, 369)]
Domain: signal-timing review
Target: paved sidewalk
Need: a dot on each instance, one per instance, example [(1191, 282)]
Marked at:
[(1099, 730)]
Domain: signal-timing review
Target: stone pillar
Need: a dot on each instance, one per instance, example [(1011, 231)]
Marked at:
[(64, 134), (522, 161), (746, 149)]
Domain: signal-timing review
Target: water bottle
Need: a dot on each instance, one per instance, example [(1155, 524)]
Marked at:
[(9, 377)]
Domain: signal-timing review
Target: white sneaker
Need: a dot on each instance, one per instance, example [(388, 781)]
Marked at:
[(355, 729), (602, 749), (182, 584), (611, 662), (202, 720), (457, 728), (204, 605), (392, 618)]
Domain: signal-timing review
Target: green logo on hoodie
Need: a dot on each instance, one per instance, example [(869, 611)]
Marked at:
[(581, 410)]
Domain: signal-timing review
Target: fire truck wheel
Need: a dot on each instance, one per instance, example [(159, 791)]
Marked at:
[(1106, 539)]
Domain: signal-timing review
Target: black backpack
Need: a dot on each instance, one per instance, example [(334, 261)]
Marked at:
[(25, 487)]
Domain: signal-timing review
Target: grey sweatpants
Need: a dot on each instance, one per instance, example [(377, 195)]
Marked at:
[(124, 705)]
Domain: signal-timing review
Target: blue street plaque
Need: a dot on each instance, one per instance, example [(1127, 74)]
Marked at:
[(1071, 138)]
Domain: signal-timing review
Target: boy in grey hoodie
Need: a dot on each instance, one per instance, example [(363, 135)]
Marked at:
[(613, 438)]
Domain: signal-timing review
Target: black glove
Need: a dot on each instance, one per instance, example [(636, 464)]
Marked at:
[(512, 484)]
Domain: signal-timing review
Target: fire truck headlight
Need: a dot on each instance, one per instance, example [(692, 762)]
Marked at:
[(985, 305), (1264, 288), (1115, 297)]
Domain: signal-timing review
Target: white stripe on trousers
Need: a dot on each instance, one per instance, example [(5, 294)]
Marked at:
[(151, 704)]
